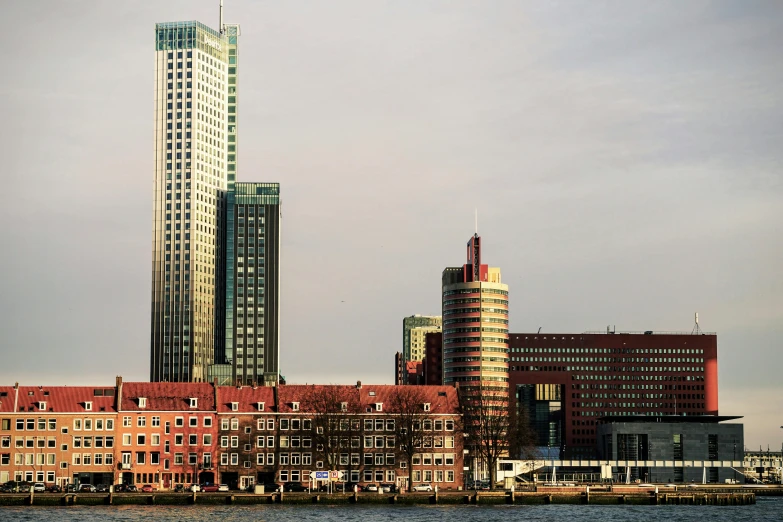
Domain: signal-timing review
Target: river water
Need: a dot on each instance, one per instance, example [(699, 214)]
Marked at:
[(766, 508)]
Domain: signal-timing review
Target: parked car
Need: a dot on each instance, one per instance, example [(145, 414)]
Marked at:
[(54, 489), (223, 488), (147, 488), (372, 488), (423, 487), (13, 486), (86, 488), (71, 488), (295, 487), (39, 487), (131, 488), (102, 488), (194, 488), (209, 488), (389, 488), (271, 487)]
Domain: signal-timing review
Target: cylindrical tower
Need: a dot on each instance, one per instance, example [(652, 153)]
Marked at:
[(475, 336)]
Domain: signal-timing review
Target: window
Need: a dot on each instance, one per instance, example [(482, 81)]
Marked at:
[(178, 439), (141, 422), (207, 440), (283, 424), (193, 402), (270, 424), (98, 424), (234, 424), (155, 422), (142, 402), (260, 406), (77, 424), (295, 406), (426, 406), (234, 441), (207, 422), (192, 459), (141, 440), (178, 459), (378, 406), (155, 439), (192, 439), (88, 405), (193, 422), (154, 458), (179, 422), (126, 422), (109, 424), (141, 457), (224, 424), (126, 439)]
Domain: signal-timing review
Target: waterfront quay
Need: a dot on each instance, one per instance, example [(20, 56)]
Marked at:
[(586, 495)]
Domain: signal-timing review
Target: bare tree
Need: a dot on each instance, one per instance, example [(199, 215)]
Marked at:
[(406, 408), (332, 407), (486, 426)]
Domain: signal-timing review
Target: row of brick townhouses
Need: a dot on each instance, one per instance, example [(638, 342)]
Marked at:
[(178, 433)]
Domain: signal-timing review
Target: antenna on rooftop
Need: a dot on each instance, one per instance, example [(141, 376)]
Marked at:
[(220, 27), (696, 330), (476, 221)]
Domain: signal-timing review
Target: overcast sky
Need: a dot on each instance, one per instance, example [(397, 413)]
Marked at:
[(625, 159)]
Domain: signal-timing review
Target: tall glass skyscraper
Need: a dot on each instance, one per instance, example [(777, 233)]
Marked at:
[(195, 166), (252, 286)]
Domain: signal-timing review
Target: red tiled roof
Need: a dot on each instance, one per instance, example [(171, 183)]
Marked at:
[(247, 398), (58, 399), (168, 396), (442, 399)]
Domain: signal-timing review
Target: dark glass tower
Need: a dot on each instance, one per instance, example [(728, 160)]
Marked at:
[(252, 279)]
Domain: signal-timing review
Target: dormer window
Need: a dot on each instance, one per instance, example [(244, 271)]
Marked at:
[(295, 406), (234, 406), (372, 394), (42, 405), (142, 402), (88, 405), (426, 406), (343, 406), (260, 406), (378, 406), (193, 402)]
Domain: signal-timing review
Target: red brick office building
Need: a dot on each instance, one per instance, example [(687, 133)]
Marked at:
[(567, 381)]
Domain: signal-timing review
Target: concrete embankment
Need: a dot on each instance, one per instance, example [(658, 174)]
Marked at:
[(605, 496)]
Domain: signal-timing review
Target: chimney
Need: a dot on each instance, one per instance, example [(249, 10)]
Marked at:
[(16, 396), (118, 393), (358, 385), (215, 388)]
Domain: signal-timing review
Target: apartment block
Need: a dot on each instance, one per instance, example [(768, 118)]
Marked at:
[(165, 434)]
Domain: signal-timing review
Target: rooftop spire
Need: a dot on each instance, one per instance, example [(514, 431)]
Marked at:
[(220, 27)]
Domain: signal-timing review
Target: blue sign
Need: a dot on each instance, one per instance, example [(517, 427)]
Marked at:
[(322, 475)]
